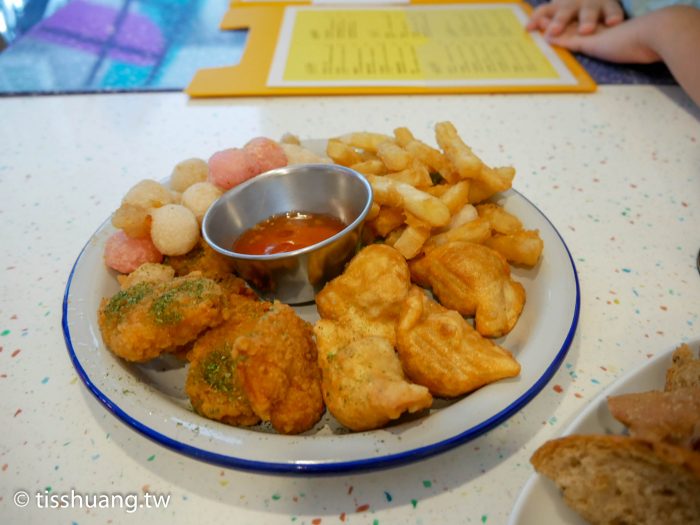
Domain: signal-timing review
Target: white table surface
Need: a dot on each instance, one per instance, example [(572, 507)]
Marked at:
[(617, 172)]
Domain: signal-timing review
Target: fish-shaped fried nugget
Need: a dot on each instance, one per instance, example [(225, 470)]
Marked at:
[(439, 349), (367, 297), (279, 370), (149, 318), (474, 280), (364, 386), (213, 383)]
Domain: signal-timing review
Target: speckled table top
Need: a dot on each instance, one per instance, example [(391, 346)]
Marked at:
[(617, 172)]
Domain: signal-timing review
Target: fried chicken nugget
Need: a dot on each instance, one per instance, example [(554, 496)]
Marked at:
[(213, 383), (439, 349), (202, 258), (279, 370), (474, 280), (367, 297), (364, 386), (147, 319)]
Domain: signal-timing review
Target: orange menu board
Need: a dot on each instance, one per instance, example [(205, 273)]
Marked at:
[(365, 49)]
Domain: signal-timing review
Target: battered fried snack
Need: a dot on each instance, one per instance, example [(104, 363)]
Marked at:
[(147, 272), (213, 383), (364, 385), (367, 297), (439, 349), (147, 319), (279, 370), (202, 258), (474, 280)]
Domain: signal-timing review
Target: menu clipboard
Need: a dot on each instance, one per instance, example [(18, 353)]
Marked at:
[(324, 48)]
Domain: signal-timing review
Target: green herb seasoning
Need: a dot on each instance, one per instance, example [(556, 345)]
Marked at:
[(166, 308), (219, 370), (121, 302)]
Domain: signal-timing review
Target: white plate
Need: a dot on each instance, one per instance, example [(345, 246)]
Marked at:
[(540, 496), (151, 399)]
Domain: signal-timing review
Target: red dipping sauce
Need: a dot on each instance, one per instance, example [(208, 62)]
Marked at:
[(287, 232)]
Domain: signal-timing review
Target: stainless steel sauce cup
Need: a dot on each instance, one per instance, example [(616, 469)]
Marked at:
[(291, 277)]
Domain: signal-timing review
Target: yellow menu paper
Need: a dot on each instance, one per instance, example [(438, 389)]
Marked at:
[(364, 49)]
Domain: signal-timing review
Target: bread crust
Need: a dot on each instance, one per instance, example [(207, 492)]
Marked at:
[(619, 479)]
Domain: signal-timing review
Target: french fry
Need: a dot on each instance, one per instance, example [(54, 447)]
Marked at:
[(477, 231), (394, 157), (465, 214), (523, 247), (403, 136), (456, 196), (421, 204), (462, 158), (417, 176), (493, 180), (387, 220), (342, 153), (416, 222), (394, 236), (373, 212), (370, 167), (438, 190), (432, 158), (411, 241), (385, 192), (364, 140), (501, 221)]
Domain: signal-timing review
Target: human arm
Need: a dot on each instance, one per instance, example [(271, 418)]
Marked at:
[(553, 17), (671, 35)]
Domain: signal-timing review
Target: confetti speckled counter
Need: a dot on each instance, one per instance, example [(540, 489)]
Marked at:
[(617, 172)]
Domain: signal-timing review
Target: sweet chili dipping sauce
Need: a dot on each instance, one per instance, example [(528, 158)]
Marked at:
[(287, 232)]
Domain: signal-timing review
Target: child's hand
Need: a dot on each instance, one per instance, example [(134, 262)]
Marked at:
[(625, 43), (554, 17)]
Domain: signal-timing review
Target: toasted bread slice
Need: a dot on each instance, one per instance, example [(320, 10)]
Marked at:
[(673, 417), (685, 370), (624, 480)]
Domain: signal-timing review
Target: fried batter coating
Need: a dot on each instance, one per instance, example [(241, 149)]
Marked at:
[(202, 258), (233, 288), (367, 297), (364, 386), (147, 272), (439, 349), (279, 370), (147, 319), (474, 280), (213, 383)]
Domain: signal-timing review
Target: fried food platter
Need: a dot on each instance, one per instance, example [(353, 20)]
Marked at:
[(150, 397), (540, 497)]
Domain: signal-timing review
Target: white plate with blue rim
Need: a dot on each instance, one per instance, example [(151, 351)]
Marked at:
[(150, 398), (540, 495)]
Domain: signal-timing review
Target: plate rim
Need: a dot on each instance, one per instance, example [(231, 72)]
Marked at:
[(328, 467)]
